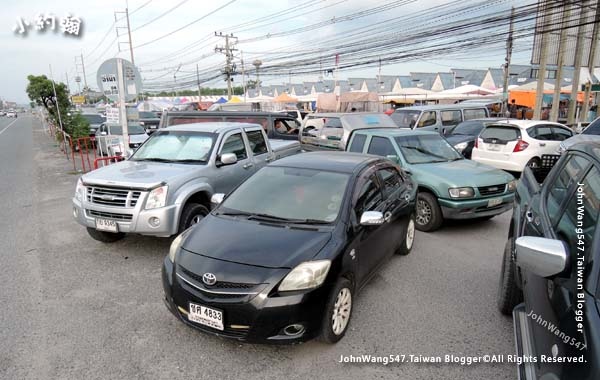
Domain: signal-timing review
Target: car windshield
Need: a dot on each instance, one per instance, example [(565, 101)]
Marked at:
[(593, 128), (421, 149), (176, 146), (405, 118), (147, 115), (132, 129), (94, 118), (468, 128), (290, 194)]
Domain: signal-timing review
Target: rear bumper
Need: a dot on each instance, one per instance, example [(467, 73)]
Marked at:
[(478, 208), (513, 164)]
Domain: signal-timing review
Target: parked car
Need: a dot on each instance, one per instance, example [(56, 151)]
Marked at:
[(462, 137), (109, 139), (450, 186), (437, 117), (95, 120), (166, 185), (298, 240), (514, 144), (330, 131), (277, 125), (590, 133), (550, 278), (11, 113), (2, 113), (149, 120)]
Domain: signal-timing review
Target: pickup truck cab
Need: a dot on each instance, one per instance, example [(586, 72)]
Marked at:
[(550, 277), (450, 186), (166, 185)]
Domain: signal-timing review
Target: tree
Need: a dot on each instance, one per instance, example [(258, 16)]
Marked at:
[(252, 84)]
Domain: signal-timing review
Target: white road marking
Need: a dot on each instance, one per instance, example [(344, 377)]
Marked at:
[(2, 131)]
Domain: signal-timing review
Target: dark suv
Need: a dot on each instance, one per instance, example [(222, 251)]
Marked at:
[(550, 278)]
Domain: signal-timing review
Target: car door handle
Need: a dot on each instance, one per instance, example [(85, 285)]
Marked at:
[(247, 166), (542, 144), (529, 216)]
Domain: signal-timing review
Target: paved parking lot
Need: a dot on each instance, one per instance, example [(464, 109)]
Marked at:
[(75, 308)]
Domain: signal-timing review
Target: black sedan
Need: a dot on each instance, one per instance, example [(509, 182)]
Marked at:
[(282, 257), (463, 136)]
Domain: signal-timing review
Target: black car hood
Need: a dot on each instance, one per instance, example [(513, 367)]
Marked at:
[(457, 139), (256, 243)]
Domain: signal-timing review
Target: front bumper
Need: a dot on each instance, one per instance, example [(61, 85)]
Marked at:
[(129, 220), (475, 208), (255, 318)]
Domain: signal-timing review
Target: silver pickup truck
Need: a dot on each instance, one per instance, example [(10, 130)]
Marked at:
[(167, 184)]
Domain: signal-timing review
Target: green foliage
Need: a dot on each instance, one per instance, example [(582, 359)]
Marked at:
[(76, 125)]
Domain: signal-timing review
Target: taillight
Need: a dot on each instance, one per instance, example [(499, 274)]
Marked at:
[(521, 146)]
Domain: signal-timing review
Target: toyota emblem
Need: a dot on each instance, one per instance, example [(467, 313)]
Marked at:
[(209, 279)]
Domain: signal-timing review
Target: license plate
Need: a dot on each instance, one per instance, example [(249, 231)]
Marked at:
[(106, 225), (206, 316), (494, 202), (494, 147)]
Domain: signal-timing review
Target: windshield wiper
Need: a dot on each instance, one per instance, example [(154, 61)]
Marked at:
[(424, 151), (156, 159), (190, 160)]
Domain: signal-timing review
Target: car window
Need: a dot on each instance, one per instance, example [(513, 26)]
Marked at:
[(563, 185), (468, 128), (369, 197), (593, 128), (501, 133), (581, 214), (474, 113), (561, 134), (405, 118), (391, 180), (358, 143), (427, 118), (543, 132), (235, 144), (451, 117), (262, 121), (381, 146), (258, 145)]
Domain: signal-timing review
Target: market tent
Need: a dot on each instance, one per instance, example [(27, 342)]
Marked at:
[(527, 98), (221, 100), (285, 98), (355, 97), (533, 86), (260, 99), (153, 105), (235, 99), (469, 89)]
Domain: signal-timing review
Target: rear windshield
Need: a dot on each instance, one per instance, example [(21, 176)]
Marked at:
[(501, 133), (148, 115), (405, 118), (468, 128), (368, 121)]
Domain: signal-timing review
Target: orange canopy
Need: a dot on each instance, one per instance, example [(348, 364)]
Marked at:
[(527, 98), (285, 98)]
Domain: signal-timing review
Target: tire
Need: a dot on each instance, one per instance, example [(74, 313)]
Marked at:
[(534, 163), (105, 237), (192, 214), (409, 238), (429, 216), (332, 330), (509, 295)]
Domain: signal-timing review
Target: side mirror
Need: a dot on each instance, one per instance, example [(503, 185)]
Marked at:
[(444, 131), (393, 158), (228, 159), (371, 218), (544, 257), (217, 199)]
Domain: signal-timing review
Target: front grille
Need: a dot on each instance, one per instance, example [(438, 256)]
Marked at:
[(491, 190), (109, 215), (218, 284), (113, 196)]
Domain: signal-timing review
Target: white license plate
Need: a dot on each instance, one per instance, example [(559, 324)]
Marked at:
[(494, 147), (206, 316), (106, 225), (494, 202)]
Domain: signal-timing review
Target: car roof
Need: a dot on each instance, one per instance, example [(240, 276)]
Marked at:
[(524, 124), (435, 107), (344, 162), (226, 113), (340, 114), (212, 127), (394, 132)]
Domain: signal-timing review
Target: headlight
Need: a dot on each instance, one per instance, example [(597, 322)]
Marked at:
[(79, 190), (157, 198), (561, 148), (461, 192), (512, 185), (307, 275), (461, 146), (176, 244)]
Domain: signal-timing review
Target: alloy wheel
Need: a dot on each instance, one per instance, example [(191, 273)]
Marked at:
[(196, 219), (423, 212), (341, 311), (410, 234)]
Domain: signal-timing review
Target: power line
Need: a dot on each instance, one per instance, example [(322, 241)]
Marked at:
[(159, 16)]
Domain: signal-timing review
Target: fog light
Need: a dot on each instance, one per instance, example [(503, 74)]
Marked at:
[(293, 330), (75, 212), (154, 222)]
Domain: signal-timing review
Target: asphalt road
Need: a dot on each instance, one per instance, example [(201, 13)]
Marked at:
[(74, 308)]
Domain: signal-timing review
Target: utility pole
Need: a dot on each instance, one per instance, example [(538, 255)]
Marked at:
[(228, 50), (539, 96), (68, 84), (60, 124), (509, 48), (199, 88), (379, 76), (560, 62), (79, 64), (175, 79), (243, 75), (257, 63), (578, 58), (591, 63), (128, 27)]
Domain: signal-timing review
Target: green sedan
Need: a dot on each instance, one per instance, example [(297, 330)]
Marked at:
[(450, 186)]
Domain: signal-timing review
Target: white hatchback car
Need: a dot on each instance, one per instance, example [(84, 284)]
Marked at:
[(514, 144)]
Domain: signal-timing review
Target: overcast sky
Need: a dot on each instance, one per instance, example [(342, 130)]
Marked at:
[(33, 53)]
